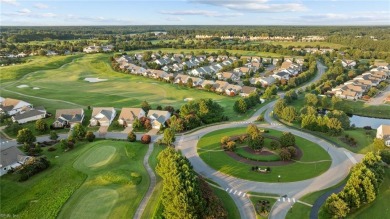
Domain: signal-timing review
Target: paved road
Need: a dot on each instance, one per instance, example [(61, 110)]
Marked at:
[(338, 170), (321, 200)]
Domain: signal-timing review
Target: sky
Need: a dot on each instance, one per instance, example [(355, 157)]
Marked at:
[(194, 12)]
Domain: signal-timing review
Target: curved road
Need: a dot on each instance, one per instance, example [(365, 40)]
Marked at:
[(342, 161)]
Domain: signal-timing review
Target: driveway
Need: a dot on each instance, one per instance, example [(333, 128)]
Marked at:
[(127, 129), (380, 98), (102, 130), (152, 132)]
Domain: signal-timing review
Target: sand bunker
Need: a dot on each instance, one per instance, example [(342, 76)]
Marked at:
[(188, 99), (22, 86), (94, 80), (36, 88)]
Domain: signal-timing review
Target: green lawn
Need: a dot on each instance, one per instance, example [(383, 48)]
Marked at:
[(254, 200), (121, 90), (227, 203), (242, 152), (78, 181), (109, 191), (35, 63), (153, 203), (219, 160)]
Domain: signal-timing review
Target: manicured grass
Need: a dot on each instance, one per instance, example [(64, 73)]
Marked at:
[(34, 198), (78, 193), (109, 165), (153, 204), (227, 203), (299, 211), (380, 207), (35, 63), (121, 90), (242, 152), (254, 200), (362, 109), (219, 160)]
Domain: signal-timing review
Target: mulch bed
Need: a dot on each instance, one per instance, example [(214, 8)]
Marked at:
[(264, 163)]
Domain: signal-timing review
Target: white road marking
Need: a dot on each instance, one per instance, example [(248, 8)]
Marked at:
[(239, 194), (293, 200), (230, 190), (288, 199), (243, 195), (278, 199), (284, 199), (227, 189), (235, 191), (353, 160)]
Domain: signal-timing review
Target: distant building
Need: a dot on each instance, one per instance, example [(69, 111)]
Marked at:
[(383, 132)]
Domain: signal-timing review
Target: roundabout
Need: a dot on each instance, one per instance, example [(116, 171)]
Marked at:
[(314, 161)]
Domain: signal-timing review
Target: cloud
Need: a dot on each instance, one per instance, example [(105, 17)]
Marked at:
[(254, 6), (97, 19), (24, 11), (174, 19), (357, 18), (41, 6), (10, 2), (201, 12)]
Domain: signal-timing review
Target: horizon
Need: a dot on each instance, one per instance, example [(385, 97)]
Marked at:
[(31, 13)]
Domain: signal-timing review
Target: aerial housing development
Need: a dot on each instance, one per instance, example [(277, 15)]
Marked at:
[(195, 109)]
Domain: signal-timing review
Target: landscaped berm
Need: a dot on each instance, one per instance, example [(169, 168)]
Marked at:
[(103, 179), (311, 159)]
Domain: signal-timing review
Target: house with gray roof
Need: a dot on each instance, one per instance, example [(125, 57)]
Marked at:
[(12, 106), (68, 117), (102, 116), (29, 114), (10, 158), (158, 118)]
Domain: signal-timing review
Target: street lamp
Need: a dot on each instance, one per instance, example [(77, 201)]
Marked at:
[(291, 208), (279, 178)]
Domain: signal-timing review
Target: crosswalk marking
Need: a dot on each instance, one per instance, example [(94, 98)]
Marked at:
[(239, 194), (293, 200), (235, 191), (226, 189), (230, 190), (288, 199), (278, 199), (284, 200), (244, 195)]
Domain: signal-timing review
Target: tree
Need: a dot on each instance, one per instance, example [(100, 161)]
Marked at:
[(341, 116), (90, 136), (311, 99), (190, 82), (145, 106), (148, 124), (176, 124), (256, 141), (270, 91), (385, 156), (79, 131), (214, 209), (53, 135), (378, 144), (287, 139), (131, 137), (336, 206), (225, 140), (137, 124), (334, 126), (25, 136), (146, 139), (279, 107), (181, 194), (169, 136), (230, 146), (41, 126), (284, 154), (289, 113), (240, 106)]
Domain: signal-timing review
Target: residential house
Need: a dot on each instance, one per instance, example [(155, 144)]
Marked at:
[(102, 116), (246, 91), (29, 114), (266, 60), (158, 118), (68, 117), (256, 59), (220, 86), (128, 115), (1, 100), (51, 53), (211, 59), (107, 48), (267, 81), (91, 49), (243, 70), (383, 132), (158, 74), (246, 58), (11, 158), (227, 75), (180, 78), (281, 75), (233, 90), (348, 63), (12, 106), (206, 82)]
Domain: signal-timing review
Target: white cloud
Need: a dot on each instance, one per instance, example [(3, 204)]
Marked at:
[(201, 12), (97, 19), (24, 11), (10, 2), (356, 17), (254, 6), (174, 19), (41, 6)]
